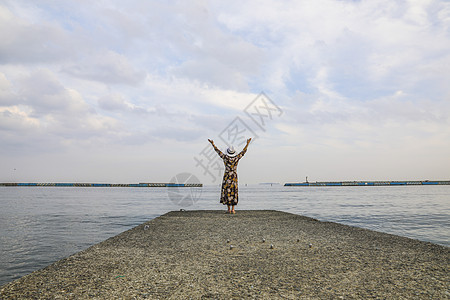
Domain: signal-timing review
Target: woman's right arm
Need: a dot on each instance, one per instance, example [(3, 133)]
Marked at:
[(245, 149)]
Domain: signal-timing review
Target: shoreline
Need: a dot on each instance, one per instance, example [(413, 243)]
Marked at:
[(184, 254)]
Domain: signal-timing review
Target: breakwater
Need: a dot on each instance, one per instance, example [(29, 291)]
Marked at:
[(370, 183), (69, 184), (253, 254)]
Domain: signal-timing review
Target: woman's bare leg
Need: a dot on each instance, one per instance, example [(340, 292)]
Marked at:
[(232, 210), (229, 208)]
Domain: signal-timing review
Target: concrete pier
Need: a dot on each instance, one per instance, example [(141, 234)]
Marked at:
[(253, 254)]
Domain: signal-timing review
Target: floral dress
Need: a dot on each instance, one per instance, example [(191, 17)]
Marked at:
[(229, 194)]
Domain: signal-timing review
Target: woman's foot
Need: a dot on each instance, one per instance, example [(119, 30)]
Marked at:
[(232, 212)]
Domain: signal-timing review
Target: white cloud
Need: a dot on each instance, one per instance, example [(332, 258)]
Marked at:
[(15, 119), (354, 78), (114, 103), (27, 42), (117, 103), (7, 96), (108, 67), (45, 109)]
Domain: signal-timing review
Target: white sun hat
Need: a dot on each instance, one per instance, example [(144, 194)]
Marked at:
[(231, 150)]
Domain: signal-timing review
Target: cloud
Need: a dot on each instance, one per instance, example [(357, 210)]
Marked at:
[(46, 96), (220, 60), (25, 42), (7, 97), (116, 103), (352, 77), (365, 49), (14, 119), (108, 67), (45, 109)]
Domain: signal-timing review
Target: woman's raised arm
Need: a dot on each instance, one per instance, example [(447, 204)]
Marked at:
[(216, 149), (245, 148)]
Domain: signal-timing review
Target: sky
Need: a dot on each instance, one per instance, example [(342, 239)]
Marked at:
[(131, 91)]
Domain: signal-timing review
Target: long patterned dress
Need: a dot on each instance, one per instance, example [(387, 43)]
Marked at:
[(229, 195)]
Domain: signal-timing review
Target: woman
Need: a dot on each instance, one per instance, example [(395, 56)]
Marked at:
[(229, 195)]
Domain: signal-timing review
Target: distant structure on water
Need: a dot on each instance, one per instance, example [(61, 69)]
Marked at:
[(66, 184), (369, 183)]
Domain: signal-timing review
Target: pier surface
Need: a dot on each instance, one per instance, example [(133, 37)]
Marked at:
[(253, 254)]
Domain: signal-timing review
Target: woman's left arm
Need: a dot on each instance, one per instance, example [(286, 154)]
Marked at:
[(216, 149)]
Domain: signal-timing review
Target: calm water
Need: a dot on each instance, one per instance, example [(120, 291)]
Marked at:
[(40, 225)]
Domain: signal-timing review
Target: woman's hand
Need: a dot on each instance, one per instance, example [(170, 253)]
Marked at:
[(211, 141), (248, 141)]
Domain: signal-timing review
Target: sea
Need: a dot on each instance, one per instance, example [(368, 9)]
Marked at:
[(41, 225)]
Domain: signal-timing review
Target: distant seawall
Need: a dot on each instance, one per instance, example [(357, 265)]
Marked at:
[(68, 184), (370, 183)]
